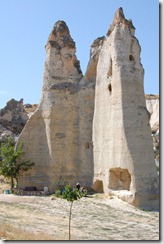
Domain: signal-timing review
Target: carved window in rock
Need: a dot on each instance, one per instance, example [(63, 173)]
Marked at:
[(110, 88), (109, 75), (131, 58), (98, 186), (119, 179), (87, 145)]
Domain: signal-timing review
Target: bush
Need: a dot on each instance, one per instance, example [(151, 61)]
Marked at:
[(58, 193)]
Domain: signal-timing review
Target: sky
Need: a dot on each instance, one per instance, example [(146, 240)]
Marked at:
[(26, 24)]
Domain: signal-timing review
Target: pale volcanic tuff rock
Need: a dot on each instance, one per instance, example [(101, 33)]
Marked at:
[(123, 157), (58, 136), (152, 104)]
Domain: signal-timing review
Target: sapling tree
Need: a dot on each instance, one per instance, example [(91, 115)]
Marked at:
[(71, 194), (10, 164)]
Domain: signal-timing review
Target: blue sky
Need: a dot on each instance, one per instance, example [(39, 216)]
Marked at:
[(26, 24)]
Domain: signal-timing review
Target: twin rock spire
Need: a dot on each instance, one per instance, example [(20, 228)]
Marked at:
[(93, 129)]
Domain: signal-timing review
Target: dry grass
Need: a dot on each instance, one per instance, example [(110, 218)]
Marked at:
[(9, 232), (93, 218)]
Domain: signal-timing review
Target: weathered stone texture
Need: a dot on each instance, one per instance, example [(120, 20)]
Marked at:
[(13, 116), (58, 133), (119, 159), (152, 104), (121, 131)]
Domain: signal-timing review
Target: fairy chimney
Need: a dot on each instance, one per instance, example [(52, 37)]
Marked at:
[(57, 137), (93, 129), (123, 153)]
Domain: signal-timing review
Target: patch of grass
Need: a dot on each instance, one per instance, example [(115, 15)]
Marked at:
[(99, 196), (9, 232)]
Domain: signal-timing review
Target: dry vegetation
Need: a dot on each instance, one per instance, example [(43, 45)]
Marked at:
[(9, 232), (94, 218)]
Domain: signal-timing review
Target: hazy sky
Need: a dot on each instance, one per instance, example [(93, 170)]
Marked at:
[(26, 24)]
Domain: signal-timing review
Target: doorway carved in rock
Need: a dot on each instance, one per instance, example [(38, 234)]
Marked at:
[(98, 186)]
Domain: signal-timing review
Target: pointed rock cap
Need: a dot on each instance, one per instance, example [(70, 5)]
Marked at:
[(60, 36), (119, 18)]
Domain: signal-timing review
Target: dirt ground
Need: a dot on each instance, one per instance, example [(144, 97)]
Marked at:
[(93, 218)]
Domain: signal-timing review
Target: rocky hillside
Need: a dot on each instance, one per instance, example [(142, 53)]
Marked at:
[(15, 114)]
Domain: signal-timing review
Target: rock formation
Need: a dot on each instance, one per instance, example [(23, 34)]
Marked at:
[(13, 118), (152, 104), (123, 156), (58, 136)]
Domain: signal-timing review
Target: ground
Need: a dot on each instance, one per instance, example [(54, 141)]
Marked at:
[(94, 217)]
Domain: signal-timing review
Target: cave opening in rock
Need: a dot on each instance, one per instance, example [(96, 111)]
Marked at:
[(119, 179), (110, 87), (98, 186), (131, 58)]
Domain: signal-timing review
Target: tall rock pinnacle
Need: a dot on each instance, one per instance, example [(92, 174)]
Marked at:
[(57, 137), (123, 152)]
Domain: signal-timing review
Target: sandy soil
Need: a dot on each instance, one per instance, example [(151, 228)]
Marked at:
[(93, 218)]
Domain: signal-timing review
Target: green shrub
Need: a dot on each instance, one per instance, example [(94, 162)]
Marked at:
[(58, 193)]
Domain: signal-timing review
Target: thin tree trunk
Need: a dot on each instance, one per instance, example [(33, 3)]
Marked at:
[(12, 184), (16, 182), (70, 220)]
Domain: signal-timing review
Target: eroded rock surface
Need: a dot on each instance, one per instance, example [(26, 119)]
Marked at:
[(119, 159), (123, 156), (13, 118), (58, 135)]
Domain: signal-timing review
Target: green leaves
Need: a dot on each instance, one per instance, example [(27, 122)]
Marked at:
[(71, 194), (10, 164)]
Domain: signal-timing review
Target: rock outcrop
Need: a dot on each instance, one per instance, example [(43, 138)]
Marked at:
[(58, 136), (109, 99), (152, 104), (123, 156), (13, 118)]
